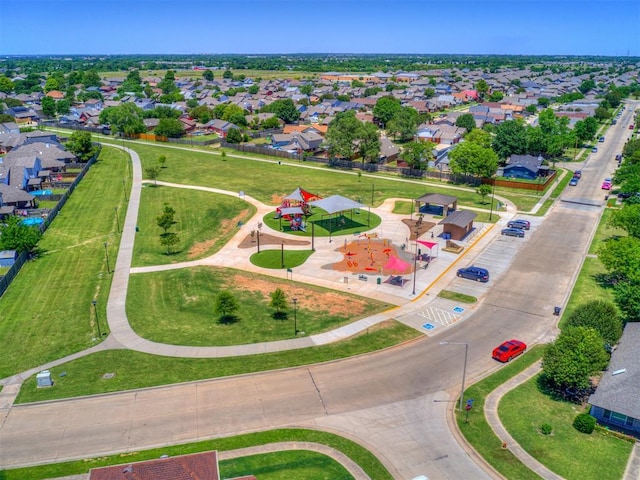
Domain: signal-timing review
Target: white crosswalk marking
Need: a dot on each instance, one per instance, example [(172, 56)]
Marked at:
[(439, 316)]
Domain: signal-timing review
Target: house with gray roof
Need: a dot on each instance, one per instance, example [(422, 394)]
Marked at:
[(615, 401)]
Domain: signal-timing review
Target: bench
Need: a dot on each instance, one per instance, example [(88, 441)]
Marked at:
[(453, 247)]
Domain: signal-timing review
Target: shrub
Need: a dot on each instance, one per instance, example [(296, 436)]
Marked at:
[(601, 315), (546, 429), (584, 423)]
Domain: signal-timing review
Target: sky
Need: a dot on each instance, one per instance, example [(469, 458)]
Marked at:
[(515, 27)]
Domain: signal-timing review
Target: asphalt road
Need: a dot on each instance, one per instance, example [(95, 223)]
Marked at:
[(344, 395)]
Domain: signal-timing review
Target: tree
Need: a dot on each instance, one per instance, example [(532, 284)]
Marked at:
[(586, 86), (429, 92), (63, 106), (627, 218), (602, 316), (51, 84), (208, 75), (6, 118), (166, 220), (577, 354), (385, 108), (169, 127), (467, 121), (169, 239), (403, 124), (621, 257), (306, 89), (126, 118), (627, 296), (368, 142), (279, 302), (544, 102), (284, 109), (417, 154), (15, 235), (234, 135), (271, 122), (226, 305), (153, 173), (6, 85), (90, 79), (479, 137), (482, 88), (342, 134), (496, 96), (48, 105), (162, 160), (472, 159), (510, 139), (601, 113), (253, 89), (531, 109), (228, 74), (586, 129), (483, 190), (81, 145)]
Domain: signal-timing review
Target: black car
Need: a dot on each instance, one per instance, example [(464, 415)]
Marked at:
[(523, 224), (474, 273)]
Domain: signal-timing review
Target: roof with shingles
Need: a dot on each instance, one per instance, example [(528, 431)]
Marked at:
[(459, 218), (620, 393), (437, 199)]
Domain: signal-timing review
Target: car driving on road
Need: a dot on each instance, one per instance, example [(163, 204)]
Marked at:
[(509, 350), (474, 273), (518, 223), (606, 185), (573, 182), (513, 232)]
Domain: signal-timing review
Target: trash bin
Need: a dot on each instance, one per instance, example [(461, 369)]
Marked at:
[(137, 229), (379, 281), (556, 311)]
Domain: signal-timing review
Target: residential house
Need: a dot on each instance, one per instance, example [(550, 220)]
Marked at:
[(221, 127), (389, 151), (615, 401), (523, 166), (8, 258)]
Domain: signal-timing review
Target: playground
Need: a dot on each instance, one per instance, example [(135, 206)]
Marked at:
[(373, 256)]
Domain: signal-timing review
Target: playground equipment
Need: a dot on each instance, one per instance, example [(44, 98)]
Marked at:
[(295, 206)]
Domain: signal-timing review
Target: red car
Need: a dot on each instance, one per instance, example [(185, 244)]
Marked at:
[(509, 350)]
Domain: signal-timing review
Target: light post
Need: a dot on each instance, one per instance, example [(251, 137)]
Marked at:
[(282, 254), (117, 219), (95, 312), (106, 255), (415, 264), (493, 189), (464, 369), (295, 316), (124, 187), (259, 227)]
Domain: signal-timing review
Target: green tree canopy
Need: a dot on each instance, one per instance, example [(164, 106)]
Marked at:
[(479, 137), (627, 218), (467, 121), (342, 134), (126, 118), (14, 235), (385, 108), (284, 109), (81, 145), (234, 135), (577, 354), (403, 124), (226, 305), (90, 78), (601, 315), (417, 154), (48, 105), (207, 75), (472, 159), (621, 257), (167, 219), (6, 85), (278, 300), (368, 142), (510, 139), (170, 127)]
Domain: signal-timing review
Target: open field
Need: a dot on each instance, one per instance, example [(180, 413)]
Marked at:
[(178, 307)]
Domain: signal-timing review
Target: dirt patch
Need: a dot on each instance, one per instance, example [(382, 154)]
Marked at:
[(369, 256), (266, 239), (226, 226), (276, 198), (421, 227), (308, 299), (201, 248)]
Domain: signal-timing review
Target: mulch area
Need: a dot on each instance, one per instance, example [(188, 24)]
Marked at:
[(422, 228), (368, 256), (266, 239)]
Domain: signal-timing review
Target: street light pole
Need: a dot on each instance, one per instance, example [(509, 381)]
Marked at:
[(493, 189), (124, 187), (106, 255), (95, 311), (415, 265), (464, 369), (295, 316)]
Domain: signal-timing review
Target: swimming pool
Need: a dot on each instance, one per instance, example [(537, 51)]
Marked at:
[(30, 221)]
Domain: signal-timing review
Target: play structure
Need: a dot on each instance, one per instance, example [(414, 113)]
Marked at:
[(371, 255), (295, 207)]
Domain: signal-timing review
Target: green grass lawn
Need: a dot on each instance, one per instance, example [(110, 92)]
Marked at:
[(605, 231), (478, 432), (47, 311), (178, 307), (205, 222), (567, 452), (458, 297), (139, 370), (283, 465), (320, 223), (276, 258)]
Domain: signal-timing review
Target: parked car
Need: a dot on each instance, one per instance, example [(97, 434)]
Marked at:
[(619, 157), (601, 139), (594, 149), (574, 181), (631, 127), (606, 185), (577, 174), (519, 223), (509, 350), (513, 232), (474, 273)]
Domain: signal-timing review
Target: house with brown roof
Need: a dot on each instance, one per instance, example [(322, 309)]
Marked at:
[(55, 94), (458, 224)]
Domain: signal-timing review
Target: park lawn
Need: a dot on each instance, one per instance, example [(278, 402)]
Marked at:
[(178, 307), (133, 370), (478, 432), (458, 297), (321, 224), (47, 311), (605, 231), (276, 258), (267, 180), (363, 457), (205, 221), (567, 452)]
